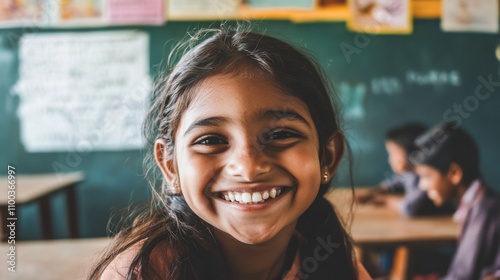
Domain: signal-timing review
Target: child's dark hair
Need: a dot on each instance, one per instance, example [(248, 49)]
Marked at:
[(405, 135), (445, 144), (189, 249)]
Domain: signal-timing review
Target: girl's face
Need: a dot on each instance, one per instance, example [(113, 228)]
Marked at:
[(439, 187), (246, 157), (397, 157)]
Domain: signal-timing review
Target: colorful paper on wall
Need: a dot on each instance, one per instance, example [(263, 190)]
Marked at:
[(19, 12), (81, 12), (83, 91), (136, 11), (201, 8), (284, 4), (470, 15), (380, 16)]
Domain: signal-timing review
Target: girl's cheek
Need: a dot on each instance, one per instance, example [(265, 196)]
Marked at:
[(305, 163)]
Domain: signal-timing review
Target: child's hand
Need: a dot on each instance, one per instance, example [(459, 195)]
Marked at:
[(393, 202), (364, 198), (373, 196), (379, 200)]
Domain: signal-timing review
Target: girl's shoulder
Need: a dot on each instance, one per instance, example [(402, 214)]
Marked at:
[(118, 268), (157, 261)]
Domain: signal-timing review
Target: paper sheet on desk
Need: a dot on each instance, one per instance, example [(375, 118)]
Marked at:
[(83, 91)]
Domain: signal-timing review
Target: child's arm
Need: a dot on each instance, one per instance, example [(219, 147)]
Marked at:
[(362, 273), (395, 184), (371, 195)]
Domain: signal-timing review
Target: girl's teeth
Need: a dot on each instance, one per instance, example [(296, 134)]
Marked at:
[(256, 197), (265, 195), (273, 193), (246, 198), (237, 197)]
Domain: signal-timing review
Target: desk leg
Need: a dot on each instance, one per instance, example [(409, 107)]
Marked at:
[(71, 206), (46, 218), (400, 264)]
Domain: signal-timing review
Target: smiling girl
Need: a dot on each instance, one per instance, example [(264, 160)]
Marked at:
[(247, 140)]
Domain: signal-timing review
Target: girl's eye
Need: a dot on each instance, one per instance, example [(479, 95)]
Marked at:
[(282, 135), (210, 141)]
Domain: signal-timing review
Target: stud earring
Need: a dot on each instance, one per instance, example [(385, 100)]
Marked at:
[(174, 189), (325, 176)]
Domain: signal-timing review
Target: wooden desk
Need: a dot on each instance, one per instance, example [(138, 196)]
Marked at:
[(39, 188), (376, 227), (54, 259)]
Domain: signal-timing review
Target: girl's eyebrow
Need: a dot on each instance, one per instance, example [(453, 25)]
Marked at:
[(212, 121), (280, 114)]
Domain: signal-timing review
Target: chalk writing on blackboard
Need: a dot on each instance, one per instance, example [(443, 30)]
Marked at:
[(386, 86), (74, 86), (434, 78), (352, 97)]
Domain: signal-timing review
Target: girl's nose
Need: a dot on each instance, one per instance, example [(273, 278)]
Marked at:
[(248, 163)]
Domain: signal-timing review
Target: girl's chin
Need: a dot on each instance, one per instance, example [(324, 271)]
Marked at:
[(254, 237), (258, 234)]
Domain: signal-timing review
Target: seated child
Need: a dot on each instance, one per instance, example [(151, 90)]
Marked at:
[(247, 139), (399, 143), (447, 163)]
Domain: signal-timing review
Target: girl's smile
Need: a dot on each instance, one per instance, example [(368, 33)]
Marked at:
[(246, 157)]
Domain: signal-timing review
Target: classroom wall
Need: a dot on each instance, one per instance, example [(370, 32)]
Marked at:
[(383, 80)]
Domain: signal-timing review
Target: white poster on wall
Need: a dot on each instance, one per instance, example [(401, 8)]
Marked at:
[(84, 91)]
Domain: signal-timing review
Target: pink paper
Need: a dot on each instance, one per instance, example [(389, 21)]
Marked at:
[(136, 11)]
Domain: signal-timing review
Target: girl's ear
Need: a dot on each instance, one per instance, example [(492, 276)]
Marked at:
[(334, 151), (165, 162), (455, 174)]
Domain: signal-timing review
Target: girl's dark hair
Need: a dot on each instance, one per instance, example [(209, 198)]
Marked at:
[(445, 144), (188, 249), (405, 135)]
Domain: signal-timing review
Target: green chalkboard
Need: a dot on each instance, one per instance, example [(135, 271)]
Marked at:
[(428, 76)]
